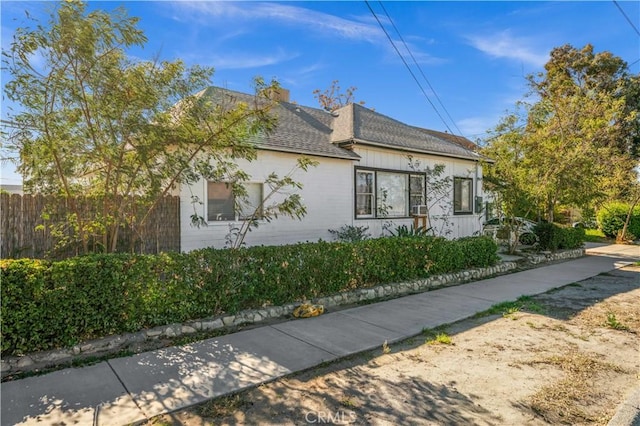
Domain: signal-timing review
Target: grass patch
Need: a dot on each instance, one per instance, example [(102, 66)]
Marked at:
[(595, 236), (612, 322), (523, 303), (568, 400), (440, 339)]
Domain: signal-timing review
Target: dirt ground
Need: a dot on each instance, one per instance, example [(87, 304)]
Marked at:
[(569, 356)]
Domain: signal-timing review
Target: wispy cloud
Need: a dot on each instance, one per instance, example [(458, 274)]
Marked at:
[(357, 28), (241, 60), (301, 76), (476, 127), (284, 14), (505, 45)]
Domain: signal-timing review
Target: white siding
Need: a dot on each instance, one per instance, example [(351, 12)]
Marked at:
[(327, 195), (461, 225)]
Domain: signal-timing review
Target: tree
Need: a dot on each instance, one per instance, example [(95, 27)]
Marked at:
[(94, 122), (581, 130), (439, 196), (508, 178), (576, 145), (291, 205), (332, 98)]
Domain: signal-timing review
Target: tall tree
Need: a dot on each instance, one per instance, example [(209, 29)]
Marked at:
[(578, 145), (582, 128), (93, 122)]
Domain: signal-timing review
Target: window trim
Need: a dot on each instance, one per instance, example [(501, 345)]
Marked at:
[(356, 193), (374, 215), (237, 215), (471, 207)]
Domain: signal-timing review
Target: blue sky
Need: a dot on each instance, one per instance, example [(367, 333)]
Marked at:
[(475, 55)]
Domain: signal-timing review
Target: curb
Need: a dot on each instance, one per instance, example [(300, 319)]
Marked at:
[(628, 413)]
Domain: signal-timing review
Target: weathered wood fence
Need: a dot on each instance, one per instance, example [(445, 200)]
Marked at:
[(28, 226)]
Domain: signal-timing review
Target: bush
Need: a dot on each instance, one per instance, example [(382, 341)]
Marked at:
[(410, 231), (48, 305), (611, 218), (553, 237), (351, 234)]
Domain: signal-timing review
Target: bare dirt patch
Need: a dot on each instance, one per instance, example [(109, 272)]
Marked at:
[(569, 356)]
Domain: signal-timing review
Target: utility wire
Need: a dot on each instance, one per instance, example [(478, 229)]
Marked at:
[(419, 68), (626, 17), (407, 66)]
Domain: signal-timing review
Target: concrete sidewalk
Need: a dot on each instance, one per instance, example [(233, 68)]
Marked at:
[(132, 389)]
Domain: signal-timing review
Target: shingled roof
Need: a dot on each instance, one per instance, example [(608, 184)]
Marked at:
[(300, 130), (313, 131), (356, 124)]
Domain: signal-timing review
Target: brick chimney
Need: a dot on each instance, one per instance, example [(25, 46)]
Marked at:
[(281, 95)]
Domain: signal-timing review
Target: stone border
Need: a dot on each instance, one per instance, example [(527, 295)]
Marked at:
[(547, 256), (116, 343)]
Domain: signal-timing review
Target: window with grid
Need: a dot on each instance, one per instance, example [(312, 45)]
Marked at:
[(383, 193), (223, 205)]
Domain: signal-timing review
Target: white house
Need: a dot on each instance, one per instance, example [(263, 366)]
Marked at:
[(363, 178)]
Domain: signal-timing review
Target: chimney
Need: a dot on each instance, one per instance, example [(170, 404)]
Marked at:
[(280, 95)]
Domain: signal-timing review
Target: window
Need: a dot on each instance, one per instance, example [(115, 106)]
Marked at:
[(223, 205), (382, 194), (392, 194), (365, 194), (416, 188), (462, 195)]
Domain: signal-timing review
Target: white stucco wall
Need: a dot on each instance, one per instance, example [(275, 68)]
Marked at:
[(328, 194)]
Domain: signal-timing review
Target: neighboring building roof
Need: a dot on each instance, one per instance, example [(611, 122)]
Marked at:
[(460, 140), (12, 189), (313, 131)]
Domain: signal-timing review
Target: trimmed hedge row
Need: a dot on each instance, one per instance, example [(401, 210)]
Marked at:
[(47, 305), (553, 237), (612, 216)]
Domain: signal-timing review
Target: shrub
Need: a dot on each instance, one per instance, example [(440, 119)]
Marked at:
[(572, 238), (47, 304), (611, 218), (351, 234), (410, 231), (553, 237), (548, 237)]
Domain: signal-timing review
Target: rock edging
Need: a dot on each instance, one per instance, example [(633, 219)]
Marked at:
[(116, 343)]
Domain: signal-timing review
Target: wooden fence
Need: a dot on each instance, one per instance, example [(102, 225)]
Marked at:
[(30, 226)]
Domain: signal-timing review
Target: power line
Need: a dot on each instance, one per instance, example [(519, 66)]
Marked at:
[(626, 17), (407, 66), (419, 68)]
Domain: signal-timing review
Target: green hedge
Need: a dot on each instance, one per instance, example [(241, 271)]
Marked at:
[(58, 304), (611, 219), (553, 237)]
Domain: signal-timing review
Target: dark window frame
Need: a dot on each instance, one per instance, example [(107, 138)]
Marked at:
[(408, 190), (458, 210)]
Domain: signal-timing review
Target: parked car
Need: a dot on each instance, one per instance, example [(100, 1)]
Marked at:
[(586, 224), (524, 227)]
